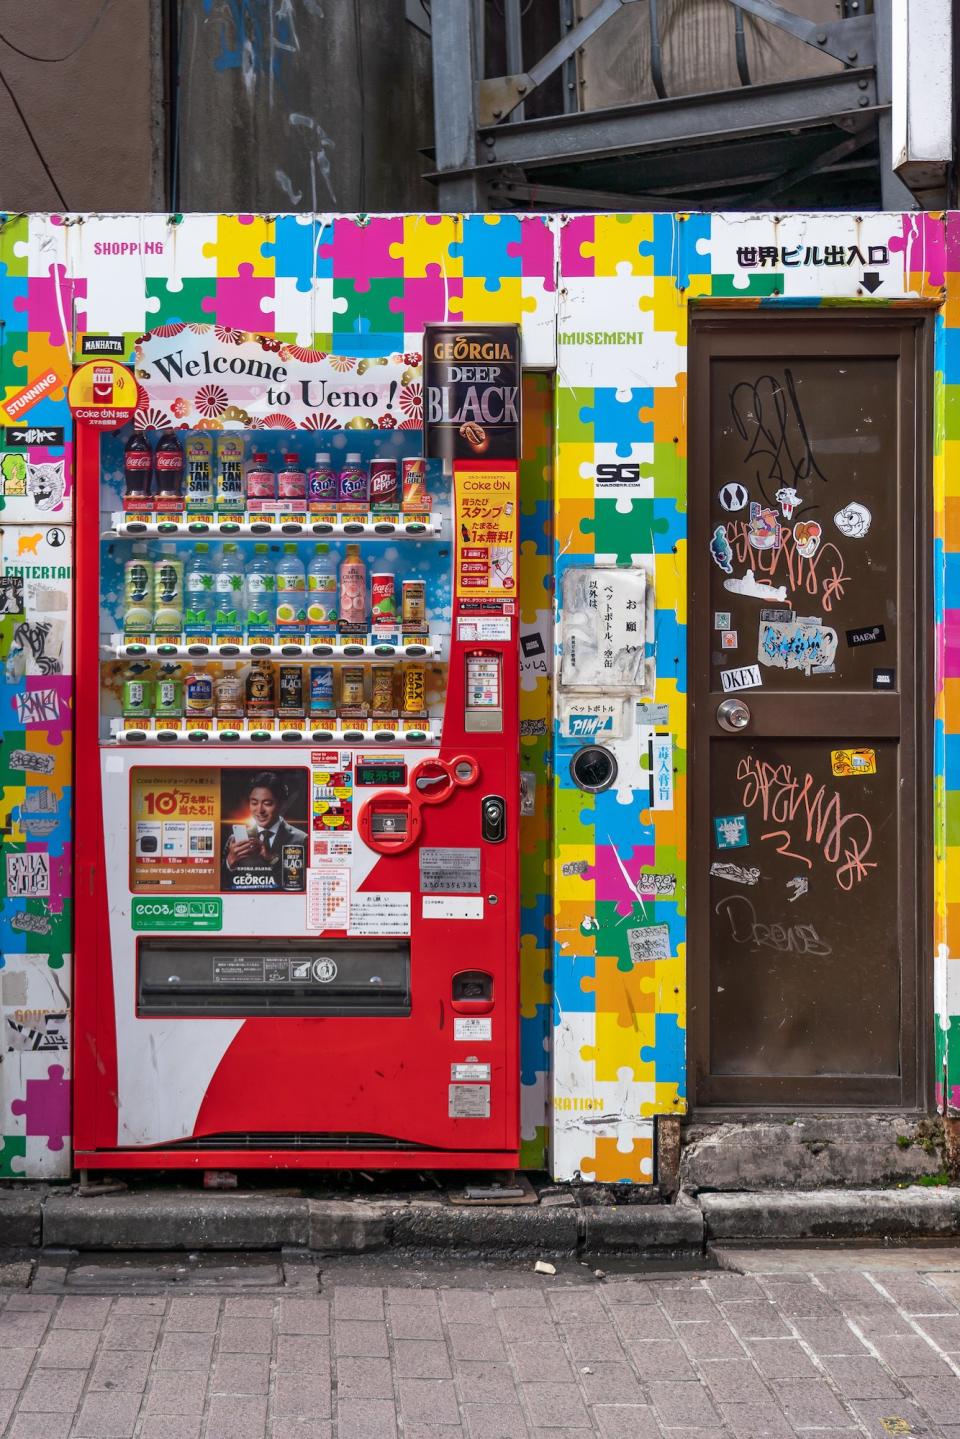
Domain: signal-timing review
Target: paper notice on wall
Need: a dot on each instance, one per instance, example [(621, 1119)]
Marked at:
[(380, 913), (473, 1028), (603, 628), (328, 897), (443, 906)]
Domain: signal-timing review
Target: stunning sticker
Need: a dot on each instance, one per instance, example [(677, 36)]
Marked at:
[(30, 763), (747, 677), (807, 535), (165, 912), (574, 866), (853, 520), (733, 497), (11, 594), (788, 500), (734, 872), (872, 635), (846, 762), (884, 679), (653, 714), (721, 551), (28, 874), (649, 941), (798, 645), (730, 831), (583, 718), (721, 620), (763, 530), (777, 617), (800, 886), (729, 639), (657, 886), (755, 589), (661, 771)]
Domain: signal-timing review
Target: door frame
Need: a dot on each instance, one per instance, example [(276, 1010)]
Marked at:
[(916, 1078)]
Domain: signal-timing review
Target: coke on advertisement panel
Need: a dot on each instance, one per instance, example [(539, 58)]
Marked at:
[(102, 385)]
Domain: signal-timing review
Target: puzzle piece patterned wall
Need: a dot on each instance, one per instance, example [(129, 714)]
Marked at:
[(602, 300)]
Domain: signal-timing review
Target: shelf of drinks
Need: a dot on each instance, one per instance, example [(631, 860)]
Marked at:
[(340, 526), (423, 735), (365, 647)]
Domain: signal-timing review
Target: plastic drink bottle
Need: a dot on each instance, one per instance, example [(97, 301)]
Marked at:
[(261, 485), (138, 593), (169, 466), (291, 591), (228, 590), (261, 595), (353, 486), (322, 592), (198, 593), (322, 484), (137, 466), (168, 593), (292, 482), (353, 592)]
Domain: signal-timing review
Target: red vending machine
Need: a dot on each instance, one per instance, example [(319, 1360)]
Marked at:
[(297, 755)]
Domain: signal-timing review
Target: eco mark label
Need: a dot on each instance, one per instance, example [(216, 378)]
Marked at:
[(170, 913)]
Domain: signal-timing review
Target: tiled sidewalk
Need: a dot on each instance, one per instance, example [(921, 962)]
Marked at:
[(870, 1351)]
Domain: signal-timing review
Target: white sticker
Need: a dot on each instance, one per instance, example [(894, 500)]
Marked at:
[(328, 897), (452, 906), (733, 497), (745, 678), (805, 645), (468, 1101), (730, 639), (736, 873), (469, 1072), (483, 629), (721, 620), (653, 714), (658, 886), (853, 520), (472, 1028), (380, 913), (584, 719), (28, 874), (603, 627), (661, 771), (750, 586), (649, 941)]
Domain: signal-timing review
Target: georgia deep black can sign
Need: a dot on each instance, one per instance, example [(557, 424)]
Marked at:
[(471, 385)]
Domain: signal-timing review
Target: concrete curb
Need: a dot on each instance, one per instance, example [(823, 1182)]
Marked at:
[(21, 1216), (174, 1221), (785, 1216)]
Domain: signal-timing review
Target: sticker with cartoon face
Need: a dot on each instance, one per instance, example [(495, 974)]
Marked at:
[(853, 520), (721, 551)]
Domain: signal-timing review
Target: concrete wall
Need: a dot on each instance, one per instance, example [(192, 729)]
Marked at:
[(302, 105), (93, 104)]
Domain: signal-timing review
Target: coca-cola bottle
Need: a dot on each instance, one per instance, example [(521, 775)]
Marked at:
[(137, 466), (169, 465)]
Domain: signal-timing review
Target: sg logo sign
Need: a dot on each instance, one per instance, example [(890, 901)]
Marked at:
[(618, 473)]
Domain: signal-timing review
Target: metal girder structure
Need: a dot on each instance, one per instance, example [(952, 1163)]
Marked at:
[(483, 133)]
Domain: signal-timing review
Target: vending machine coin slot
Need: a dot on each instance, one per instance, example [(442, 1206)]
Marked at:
[(390, 823), (472, 992)]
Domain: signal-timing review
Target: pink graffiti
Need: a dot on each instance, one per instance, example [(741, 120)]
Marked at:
[(782, 797), (821, 577)]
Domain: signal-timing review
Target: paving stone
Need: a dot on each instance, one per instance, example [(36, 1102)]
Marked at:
[(131, 1331), (860, 1378), (465, 1306), (468, 1342), (519, 1299), (185, 1351), (576, 1304), (915, 1294), (245, 1336), (366, 1419), (65, 1349), (910, 1355), (854, 1294), (782, 1359), (166, 1426), (18, 1330), (236, 1417), (756, 1319), (192, 1315), (944, 1331), (610, 1383), (492, 1421), (53, 1391), (414, 1321), (795, 1299), (552, 1405), (432, 1431), (829, 1336), (643, 1323), (176, 1394), (734, 1288), (592, 1340), (357, 1302), (626, 1421), (431, 1401), (40, 1426), (661, 1361), (304, 1316), (689, 1304), (421, 1359), (882, 1324), (139, 1304), (706, 1340), (288, 1428), (357, 1338), (543, 1359), (126, 1373), (303, 1353), (365, 1379), (735, 1381), (810, 1404), (31, 1303), (682, 1406), (412, 1295), (485, 1383), (756, 1421), (882, 1418), (15, 1366), (8, 1398), (249, 1306), (624, 1290), (940, 1398), (81, 1311), (303, 1396), (107, 1416), (240, 1374)]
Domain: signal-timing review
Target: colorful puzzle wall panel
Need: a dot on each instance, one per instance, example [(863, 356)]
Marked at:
[(603, 302)]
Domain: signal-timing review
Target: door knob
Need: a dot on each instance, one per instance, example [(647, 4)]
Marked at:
[(733, 715)]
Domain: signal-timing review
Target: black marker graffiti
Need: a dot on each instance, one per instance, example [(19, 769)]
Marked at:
[(34, 637), (768, 417), (746, 929)]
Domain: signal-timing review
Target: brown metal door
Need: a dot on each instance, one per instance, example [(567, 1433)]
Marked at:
[(807, 886)]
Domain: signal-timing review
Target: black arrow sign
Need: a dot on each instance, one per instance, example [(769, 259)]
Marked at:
[(871, 280)]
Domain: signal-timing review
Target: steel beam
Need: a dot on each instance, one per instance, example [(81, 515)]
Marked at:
[(454, 105), (688, 120), (894, 194)]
